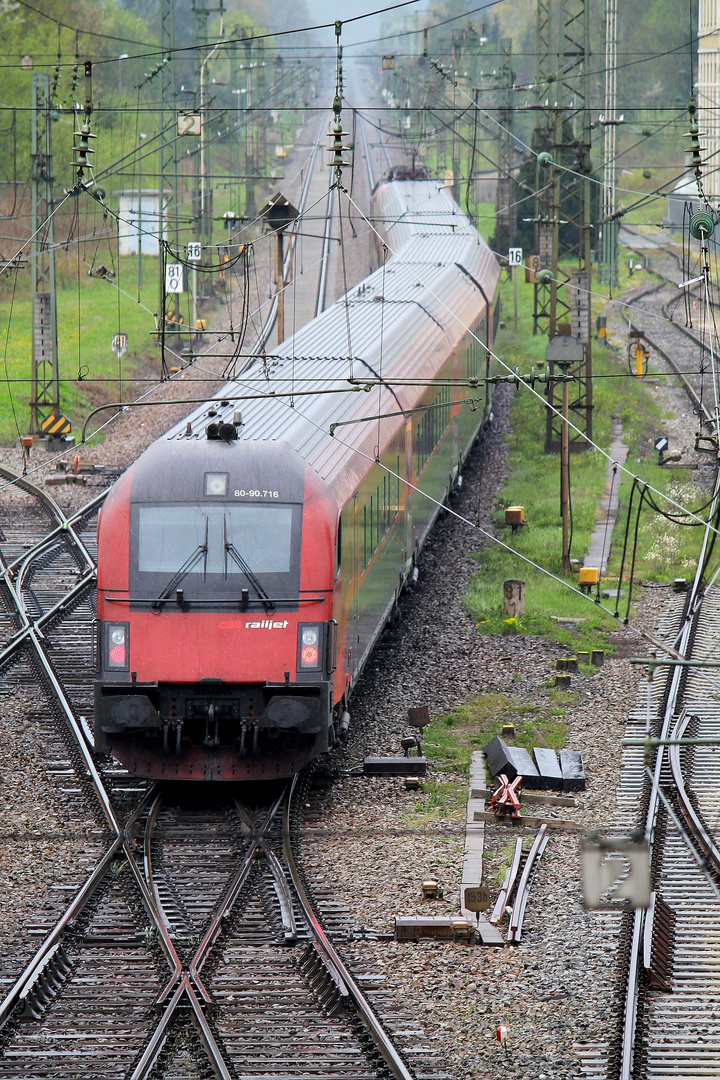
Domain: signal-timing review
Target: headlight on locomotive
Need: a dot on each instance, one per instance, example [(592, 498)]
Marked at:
[(309, 647), (117, 642)]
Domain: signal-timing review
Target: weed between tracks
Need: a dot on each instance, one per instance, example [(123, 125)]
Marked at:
[(450, 740)]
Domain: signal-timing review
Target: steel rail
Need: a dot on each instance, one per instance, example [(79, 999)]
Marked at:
[(282, 889), (188, 983), (687, 385), (233, 891), (159, 1036), (683, 646), (13, 573), (64, 524), (334, 963), (687, 331), (57, 608), (702, 837), (179, 980), (147, 858), (121, 839), (68, 918), (504, 894), (272, 314), (523, 889), (120, 836), (62, 528)]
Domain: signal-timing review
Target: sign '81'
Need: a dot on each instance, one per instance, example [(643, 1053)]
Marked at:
[(174, 278)]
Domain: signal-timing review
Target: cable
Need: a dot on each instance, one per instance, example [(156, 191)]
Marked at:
[(507, 367), (75, 29)]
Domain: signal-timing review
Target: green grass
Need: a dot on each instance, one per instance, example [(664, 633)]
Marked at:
[(95, 308), (533, 481), (451, 739)]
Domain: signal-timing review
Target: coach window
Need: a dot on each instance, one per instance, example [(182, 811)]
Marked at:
[(338, 547), (365, 560)]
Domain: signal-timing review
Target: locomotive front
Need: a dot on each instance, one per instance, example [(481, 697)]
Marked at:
[(215, 638)]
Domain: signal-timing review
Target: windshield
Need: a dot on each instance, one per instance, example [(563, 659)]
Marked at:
[(217, 549), (168, 535)]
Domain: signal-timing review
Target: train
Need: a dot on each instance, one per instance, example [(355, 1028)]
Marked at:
[(249, 559)]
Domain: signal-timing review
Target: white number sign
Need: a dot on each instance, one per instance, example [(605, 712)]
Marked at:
[(189, 124), (174, 278), (515, 257), (194, 251), (119, 344)]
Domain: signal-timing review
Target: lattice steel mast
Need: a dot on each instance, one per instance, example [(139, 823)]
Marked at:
[(504, 210), (571, 215), (609, 120), (542, 142), (45, 376)]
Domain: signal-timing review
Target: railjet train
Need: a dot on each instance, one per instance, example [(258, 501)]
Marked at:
[(248, 561)]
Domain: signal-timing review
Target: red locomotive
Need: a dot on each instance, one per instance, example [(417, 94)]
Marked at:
[(248, 560)]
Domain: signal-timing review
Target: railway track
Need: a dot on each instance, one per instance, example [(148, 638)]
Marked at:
[(193, 947), (681, 347), (667, 1023)]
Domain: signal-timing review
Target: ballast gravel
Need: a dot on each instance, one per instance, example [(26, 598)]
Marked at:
[(375, 842)]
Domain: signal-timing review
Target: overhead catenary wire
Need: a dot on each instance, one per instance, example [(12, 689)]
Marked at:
[(507, 367), (400, 5)]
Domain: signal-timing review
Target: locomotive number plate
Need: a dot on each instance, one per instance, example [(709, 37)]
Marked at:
[(256, 493)]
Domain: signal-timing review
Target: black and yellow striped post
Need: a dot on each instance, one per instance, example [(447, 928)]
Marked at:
[(55, 426)]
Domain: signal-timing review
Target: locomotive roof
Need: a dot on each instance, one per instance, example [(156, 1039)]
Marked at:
[(175, 473), (404, 321)]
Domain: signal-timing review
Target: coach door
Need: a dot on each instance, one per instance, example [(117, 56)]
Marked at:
[(354, 618), (409, 536)]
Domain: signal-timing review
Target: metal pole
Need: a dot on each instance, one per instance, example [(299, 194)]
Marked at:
[(609, 253), (587, 224), (280, 288), (515, 279), (565, 482), (206, 224), (139, 216), (194, 301)]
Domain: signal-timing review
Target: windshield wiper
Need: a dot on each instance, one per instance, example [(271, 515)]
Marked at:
[(237, 558), (190, 563)]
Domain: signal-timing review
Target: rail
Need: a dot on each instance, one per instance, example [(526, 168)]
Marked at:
[(287, 262), (683, 646), (334, 963), (523, 889)]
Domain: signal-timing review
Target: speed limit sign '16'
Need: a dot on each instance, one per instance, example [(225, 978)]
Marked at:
[(174, 278)]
